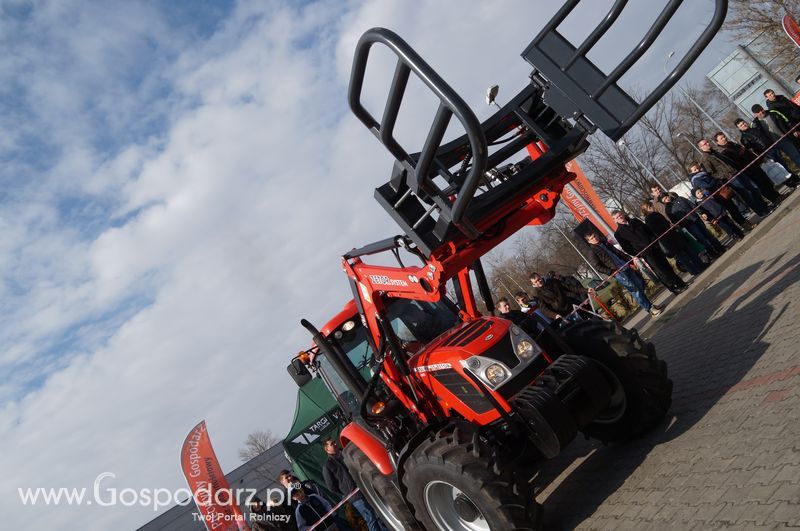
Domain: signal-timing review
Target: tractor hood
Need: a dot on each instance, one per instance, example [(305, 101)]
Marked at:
[(477, 345)]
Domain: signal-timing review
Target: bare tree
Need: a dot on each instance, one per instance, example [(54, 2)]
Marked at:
[(749, 18), (257, 443)]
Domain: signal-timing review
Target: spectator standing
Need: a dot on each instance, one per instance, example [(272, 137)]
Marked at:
[(635, 237), (679, 210), (339, 480), (530, 307), (608, 260), (290, 482), (741, 157), (656, 193), (528, 322), (671, 240), (782, 104), (715, 213), (310, 509), (703, 180), (759, 142), (556, 299), (721, 167), (523, 301), (772, 125)]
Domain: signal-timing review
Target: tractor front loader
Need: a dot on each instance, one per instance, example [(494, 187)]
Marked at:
[(449, 411)]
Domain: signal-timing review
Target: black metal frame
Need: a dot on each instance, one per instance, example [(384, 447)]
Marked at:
[(576, 87), (567, 99)]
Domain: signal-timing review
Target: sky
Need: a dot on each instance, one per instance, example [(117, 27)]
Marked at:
[(179, 180)]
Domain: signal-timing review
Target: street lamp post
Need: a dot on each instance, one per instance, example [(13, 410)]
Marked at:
[(691, 99), (621, 143)]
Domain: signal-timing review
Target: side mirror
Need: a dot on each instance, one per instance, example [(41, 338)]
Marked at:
[(299, 373)]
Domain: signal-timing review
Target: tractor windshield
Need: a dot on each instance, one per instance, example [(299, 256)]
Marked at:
[(354, 344), (419, 321)]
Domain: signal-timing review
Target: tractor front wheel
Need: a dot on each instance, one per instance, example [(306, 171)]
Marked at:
[(382, 492), (641, 390), (455, 482)]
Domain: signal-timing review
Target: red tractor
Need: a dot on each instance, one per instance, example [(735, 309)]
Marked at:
[(449, 411)]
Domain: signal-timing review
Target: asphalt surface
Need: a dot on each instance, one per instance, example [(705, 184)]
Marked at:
[(728, 453)]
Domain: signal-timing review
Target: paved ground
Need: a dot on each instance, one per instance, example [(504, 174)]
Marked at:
[(729, 453)]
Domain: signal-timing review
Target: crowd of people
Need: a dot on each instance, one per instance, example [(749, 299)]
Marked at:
[(734, 186), (307, 506)]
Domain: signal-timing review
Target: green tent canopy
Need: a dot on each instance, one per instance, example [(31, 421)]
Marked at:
[(317, 417)]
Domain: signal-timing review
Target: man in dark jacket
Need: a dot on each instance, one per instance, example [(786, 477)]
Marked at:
[(339, 480), (774, 124), (310, 509), (671, 240), (679, 210), (741, 157), (782, 104), (714, 213), (635, 239), (759, 140), (530, 322), (556, 298), (607, 259), (702, 180), (721, 167)]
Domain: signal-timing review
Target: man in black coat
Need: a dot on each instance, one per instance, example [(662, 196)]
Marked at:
[(741, 157), (759, 139), (339, 480), (556, 298), (782, 104), (679, 210), (775, 124), (671, 240), (722, 167), (634, 237)]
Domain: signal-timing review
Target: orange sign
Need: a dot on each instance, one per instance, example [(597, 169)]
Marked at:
[(792, 29), (584, 203), (211, 491)]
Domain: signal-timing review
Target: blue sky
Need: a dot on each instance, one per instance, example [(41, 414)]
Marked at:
[(178, 182)]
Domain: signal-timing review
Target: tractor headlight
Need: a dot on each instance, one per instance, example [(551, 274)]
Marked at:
[(495, 374), (525, 347), (525, 350)]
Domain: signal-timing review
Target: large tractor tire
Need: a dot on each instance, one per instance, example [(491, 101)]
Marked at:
[(382, 493), (641, 390), (456, 482)]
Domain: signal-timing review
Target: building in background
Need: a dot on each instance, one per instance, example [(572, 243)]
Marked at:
[(748, 71), (260, 473)]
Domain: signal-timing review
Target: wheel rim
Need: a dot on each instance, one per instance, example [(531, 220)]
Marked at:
[(446, 505), (388, 516), (618, 403)]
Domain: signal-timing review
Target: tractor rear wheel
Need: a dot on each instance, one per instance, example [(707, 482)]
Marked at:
[(457, 482), (382, 492), (641, 390)]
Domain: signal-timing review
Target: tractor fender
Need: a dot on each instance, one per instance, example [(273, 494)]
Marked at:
[(373, 448)]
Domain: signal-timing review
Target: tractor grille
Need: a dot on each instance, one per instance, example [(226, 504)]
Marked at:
[(468, 334), (463, 390), (503, 351)]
